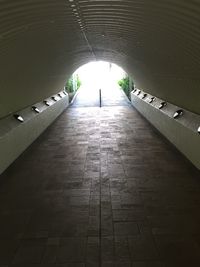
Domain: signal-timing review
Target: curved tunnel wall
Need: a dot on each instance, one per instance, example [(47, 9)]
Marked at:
[(43, 41)]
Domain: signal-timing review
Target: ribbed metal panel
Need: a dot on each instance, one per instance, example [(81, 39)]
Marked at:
[(43, 41)]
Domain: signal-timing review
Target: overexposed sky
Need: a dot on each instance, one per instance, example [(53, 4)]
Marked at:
[(99, 74)]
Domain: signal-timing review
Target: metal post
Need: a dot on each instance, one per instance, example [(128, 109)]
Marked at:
[(100, 98)]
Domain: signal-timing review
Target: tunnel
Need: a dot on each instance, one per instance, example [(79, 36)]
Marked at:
[(157, 43)]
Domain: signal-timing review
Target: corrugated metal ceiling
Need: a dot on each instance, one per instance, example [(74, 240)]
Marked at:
[(43, 41)]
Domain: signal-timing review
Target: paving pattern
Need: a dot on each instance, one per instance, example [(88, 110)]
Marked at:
[(100, 188), (110, 96)]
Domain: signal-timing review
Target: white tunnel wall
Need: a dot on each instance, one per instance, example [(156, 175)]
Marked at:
[(181, 132), (15, 137), (43, 41)]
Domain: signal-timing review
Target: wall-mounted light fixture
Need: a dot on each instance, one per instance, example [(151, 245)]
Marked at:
[(152, 99), (162, 104), (46, 103), (138, 92), (144, 95), (54, 98), (35, 109), (18, 117), (198, 130), (178, 113), (61, 94)]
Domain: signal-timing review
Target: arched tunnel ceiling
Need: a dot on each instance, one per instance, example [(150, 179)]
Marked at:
[(43, 41)]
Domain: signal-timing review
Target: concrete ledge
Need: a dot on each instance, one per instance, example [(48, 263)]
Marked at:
[(182, 132), (15, 137)]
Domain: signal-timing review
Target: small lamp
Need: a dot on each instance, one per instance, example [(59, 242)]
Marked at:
[(178, 113), (35, 109), (18, 117), (162, 104)]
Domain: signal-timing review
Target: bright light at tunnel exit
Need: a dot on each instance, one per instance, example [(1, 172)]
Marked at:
[(100, 75)]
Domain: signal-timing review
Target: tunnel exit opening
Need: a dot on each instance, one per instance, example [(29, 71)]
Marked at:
[(98, 83)]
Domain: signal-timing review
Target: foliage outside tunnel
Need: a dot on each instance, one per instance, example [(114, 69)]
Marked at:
[(72, 85), (125, 84), (98, 74)]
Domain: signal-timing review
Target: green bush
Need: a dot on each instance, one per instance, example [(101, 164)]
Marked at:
[(69, 85), (78, 82), (124, 84)]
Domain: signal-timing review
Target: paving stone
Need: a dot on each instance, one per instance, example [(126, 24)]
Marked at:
[(100, 187), (122, 253), (126, 228), (148, 264), (116, 264), (142, 247), (107, 249), (72, 250), (50, 254), (29, 254), (178, 249), (93, 250), (106, 225), (8, 249), (129, 215)]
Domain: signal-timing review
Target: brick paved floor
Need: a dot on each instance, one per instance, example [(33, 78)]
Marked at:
[(100, 188), (110, 96)]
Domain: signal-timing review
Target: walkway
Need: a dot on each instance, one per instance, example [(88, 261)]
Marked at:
[(111, 96), (100, 188)]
